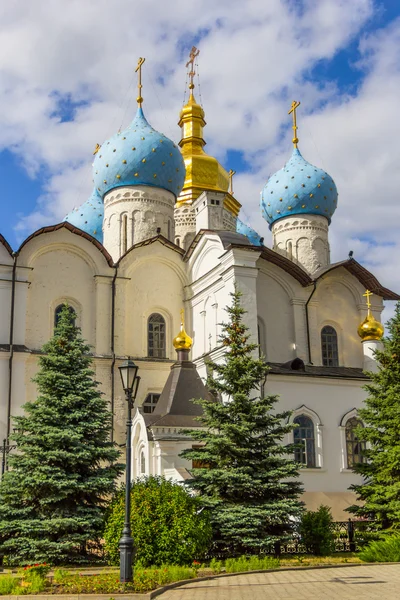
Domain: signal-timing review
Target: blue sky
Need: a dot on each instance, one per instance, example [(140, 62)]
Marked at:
[(68, 82)]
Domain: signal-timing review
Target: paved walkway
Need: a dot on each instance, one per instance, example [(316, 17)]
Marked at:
[(370, 582)]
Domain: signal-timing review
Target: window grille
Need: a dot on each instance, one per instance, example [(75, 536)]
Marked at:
[(57, 313), (354, 446), (150, 403), (304, 437), (329, 345), (156, 336)]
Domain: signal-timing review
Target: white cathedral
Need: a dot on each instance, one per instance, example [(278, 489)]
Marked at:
[(161, 231)]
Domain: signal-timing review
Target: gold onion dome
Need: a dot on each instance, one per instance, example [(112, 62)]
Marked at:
[(203, 172), (370, 328), (182, 341)]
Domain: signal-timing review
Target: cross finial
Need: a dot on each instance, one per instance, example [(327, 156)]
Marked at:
[(231, 174), (138, 69), (368, 295), (182, 317), (295, 104), (193, 54)]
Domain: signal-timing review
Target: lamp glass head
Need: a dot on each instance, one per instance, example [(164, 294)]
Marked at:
[(128, 371)]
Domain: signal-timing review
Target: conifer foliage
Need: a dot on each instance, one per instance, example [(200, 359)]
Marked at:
[(380, 489), (52, 499), (243, 472)]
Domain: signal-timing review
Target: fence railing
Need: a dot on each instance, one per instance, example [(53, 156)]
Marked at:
[(349, 536)]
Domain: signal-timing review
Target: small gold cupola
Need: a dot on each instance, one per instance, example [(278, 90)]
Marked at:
[(370, 328), (182, 341), (203, 172)]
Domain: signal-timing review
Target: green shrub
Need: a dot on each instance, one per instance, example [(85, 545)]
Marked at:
[(167, 527), (387, 550), (7, 584), (316, 531)]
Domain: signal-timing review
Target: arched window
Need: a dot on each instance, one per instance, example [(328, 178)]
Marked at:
[(124, 234), (304, 437), (142, 463), (329, 346), (156, 336), (290, 250), (354, 447), (57, 313), (261, 337)]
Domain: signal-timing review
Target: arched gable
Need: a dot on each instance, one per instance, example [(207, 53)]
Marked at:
[(89, 248), (348, 415), (5, 249)]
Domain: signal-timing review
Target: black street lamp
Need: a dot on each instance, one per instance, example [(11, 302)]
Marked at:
[(4, 450), (130, 382)]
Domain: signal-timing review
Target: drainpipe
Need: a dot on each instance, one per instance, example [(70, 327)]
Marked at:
[(11, 340), (113, 290), (308, 324)]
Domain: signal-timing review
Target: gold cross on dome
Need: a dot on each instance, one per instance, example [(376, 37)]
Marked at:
[(231, 174), (138, 70), (182, 317), (295, 104), (193, 54), (368, 295)]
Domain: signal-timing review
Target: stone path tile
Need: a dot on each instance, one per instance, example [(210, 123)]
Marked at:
[(370, 582)]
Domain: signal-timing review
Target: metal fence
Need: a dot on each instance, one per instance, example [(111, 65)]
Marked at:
[(349, 536)]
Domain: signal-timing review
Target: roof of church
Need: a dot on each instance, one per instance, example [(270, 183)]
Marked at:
[(317, 371), (251, 234), (72, 229), (157, 238), (298, 188), (138, 155), (175, 407), (6, 244), (365, 277), (230, 239), (89, 216)]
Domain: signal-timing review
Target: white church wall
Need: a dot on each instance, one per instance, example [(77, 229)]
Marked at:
[(329, 400), (63, 266), (5, 306), (274, 295), (145, 208), (4, 375), (154, 283), (335, 303)]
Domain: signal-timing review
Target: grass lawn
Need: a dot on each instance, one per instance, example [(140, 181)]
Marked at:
[(105, 580)]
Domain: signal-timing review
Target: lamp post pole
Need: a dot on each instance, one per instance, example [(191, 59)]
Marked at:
[(126, 541), (4, 450), (130, 383)]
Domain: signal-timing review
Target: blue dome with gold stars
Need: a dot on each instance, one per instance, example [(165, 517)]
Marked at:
[(252, 235), (139, 155), (89, 216), (299, 188)]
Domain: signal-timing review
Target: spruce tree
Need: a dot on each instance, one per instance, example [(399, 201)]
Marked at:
[(243, 472), (380, 489), (52, 500)]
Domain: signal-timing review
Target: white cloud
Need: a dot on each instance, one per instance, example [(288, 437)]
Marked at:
[(255, 58)]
